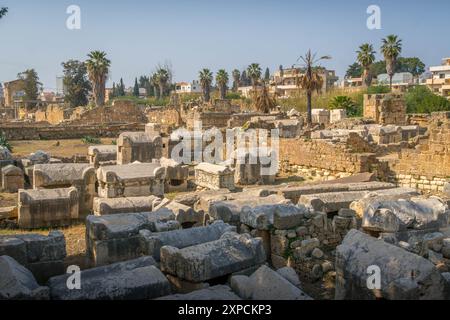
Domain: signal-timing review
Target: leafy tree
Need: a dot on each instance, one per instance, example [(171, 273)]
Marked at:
[(98, 70), (378, 68), (222, 82), (354, 71), (236, 74), (162, 79), (136, 88), (311, 80), (366, 57), (413, 65), (76, 83), (244, 79), (154, 83), (267, 75), (420, 99), (391, 49), (114, 91), (32, 86), (378, 89), (346, 103), (3, 12), (206, 77)]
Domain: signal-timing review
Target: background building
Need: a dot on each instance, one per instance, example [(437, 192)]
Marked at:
[(440, 79)]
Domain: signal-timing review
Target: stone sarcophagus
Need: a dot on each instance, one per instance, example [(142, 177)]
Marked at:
[(99, 155), (48, 207), (214, 259), (106, 206), (138, 146), (214, 176), (64, 175), (12, 178), (113, 238), (131, 180), (177, 175)]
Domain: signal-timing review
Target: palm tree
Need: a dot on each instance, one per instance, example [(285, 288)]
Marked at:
[(236, 77), (162, 77), (391, 49), (98, 69), (206, 77), (222, 82), (366, 57), (154, 84), (254, 72), (311, 80)]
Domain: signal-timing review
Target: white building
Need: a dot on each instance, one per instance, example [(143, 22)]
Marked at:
[(440, 79), (400, 81), (186, 87)]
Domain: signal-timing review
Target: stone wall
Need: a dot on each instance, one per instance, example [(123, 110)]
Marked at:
[(33, 131), (164, 115), (349, 156), (53, 114), (208, 119), (385, 108), (428, 166)]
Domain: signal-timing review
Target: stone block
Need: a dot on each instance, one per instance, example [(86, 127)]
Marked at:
[(12, 178), (214, 177)]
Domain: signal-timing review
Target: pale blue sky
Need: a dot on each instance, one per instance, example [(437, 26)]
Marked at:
[(193, 34)]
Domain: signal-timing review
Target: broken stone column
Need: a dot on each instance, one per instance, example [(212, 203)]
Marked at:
[(105, 206), (43, 256), (138, 146), (103, 154), (153, 242), (214, 176), (78, 175), (48, 207), (18, 283), (403, 275), (131, 180), (206, 261), (12, 178), (113, 238), (137, 279)]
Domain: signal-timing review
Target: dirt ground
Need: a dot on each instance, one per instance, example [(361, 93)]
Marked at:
[(56, 148)]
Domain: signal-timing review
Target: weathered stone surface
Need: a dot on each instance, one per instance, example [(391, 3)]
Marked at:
[(101, 154), (242, 285), (151, 243), (269, 285), (43, 256), (294, 193), (105, 206), (230, 210), (231, 253), (114, 238), (12, 178), (183, 214), (39, 157), (48, 207), (131, 180), (138, 146), (130, 280), (359, 251), (289, 274), (306, 248), (219, 292), (334, 201), (18, 283), (214, 177), (288, 216), (415, 213), (176, 175), (78, 175)]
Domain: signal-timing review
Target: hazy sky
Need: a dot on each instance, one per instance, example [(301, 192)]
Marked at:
[(193, 34)]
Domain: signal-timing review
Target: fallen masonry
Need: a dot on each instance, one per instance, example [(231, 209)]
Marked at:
[(404, 275), (102, 154), (138, 146), (153, 242), (129, 280), (42, 255)]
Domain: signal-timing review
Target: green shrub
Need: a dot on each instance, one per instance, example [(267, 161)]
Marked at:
[(346, 103), (420, 99), (90, 140), (378, 89), (5, 143)]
